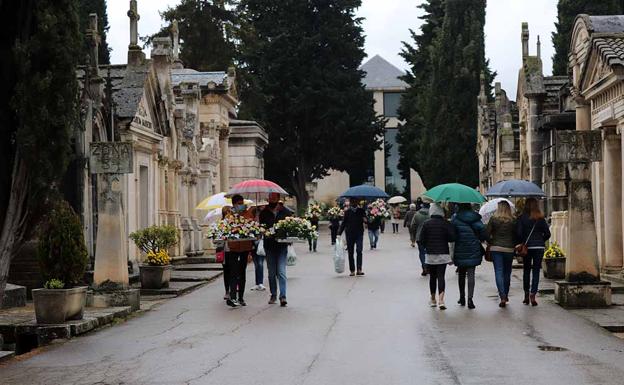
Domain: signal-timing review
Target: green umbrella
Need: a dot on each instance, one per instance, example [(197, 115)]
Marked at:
[(456, 193)]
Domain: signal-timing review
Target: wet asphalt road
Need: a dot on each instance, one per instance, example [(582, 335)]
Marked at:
[(339, 330)]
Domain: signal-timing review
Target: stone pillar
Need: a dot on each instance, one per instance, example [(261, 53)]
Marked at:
[(612, 160), (534, 142), (224, 164)]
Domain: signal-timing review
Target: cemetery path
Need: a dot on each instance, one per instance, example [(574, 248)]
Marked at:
[(341, 330)]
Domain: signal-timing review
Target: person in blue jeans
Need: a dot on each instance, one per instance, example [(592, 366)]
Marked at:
[(374, 225), (353, 226), (501, 231), (258, 261), (276, 252), (533, 231)]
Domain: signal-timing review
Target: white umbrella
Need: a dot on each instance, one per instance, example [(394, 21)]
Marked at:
[(396, 200), (488, 209), (212, 216), (217, 201)]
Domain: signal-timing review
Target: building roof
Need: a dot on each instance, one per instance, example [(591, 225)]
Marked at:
[(380, 74), (187, 75), (605, 24), (611, 49)]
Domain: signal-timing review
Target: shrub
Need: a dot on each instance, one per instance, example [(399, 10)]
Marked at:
[(155, 238), (61, 251), (54, 284)]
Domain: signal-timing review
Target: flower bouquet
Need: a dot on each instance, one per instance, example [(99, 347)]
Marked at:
[(235, 228), (335, 213), (378, 210), (292, 230), (554, 251), (314, 210)]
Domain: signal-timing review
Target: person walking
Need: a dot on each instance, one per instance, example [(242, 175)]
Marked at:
[(396, 219), (373, 224), (258, 259), (435, 236), (416, 226), (237, 257), (276, 252), (314, 220), (353, 227), (501, 230), (468, 254), (225, 212), (533, 231), (407, 222)]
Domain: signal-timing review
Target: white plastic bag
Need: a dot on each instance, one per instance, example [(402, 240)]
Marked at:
[(260, 249), (339, 257), (291, 258)]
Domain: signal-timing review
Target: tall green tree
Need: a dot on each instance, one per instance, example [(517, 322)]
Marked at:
[(86, 7), (40, 45), (567, 10), (206, 33), (303, 58), (440, 108)]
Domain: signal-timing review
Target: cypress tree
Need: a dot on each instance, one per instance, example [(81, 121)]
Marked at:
[(567, 10), (303, 60), (95, 6), (40, 44)]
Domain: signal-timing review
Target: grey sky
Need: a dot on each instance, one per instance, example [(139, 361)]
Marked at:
[(387, 24)]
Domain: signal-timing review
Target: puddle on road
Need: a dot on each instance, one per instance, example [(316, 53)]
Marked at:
[(548, 348)]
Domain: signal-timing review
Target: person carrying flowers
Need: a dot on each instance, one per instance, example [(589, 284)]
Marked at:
[(353, 226), (313, 215), (335, 215)]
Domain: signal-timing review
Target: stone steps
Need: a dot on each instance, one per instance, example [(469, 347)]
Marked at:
[(6, 355), (176, 288), (199, 267), (193, 260), (194, 275)]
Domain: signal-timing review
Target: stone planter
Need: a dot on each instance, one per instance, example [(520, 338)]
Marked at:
[(554, 268), (155, 277), (55, 306)]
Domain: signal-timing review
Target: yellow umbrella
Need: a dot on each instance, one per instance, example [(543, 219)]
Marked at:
[(217, 201)]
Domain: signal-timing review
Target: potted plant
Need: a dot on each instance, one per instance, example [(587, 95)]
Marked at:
[(155, 241), (63, 259), (554, 262)]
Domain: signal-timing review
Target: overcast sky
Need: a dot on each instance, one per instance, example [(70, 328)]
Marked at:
[(387, 24)]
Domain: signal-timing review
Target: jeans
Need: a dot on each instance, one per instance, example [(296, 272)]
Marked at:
[(395, 228), (532, 264), (436, 277), (237, 262), (259, 268), (276, 264), (463, 272), (421, 254), (355, 242), (373, 238), (312, 244), (502, 272)]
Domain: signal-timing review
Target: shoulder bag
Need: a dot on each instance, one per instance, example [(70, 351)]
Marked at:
[(522, 250)]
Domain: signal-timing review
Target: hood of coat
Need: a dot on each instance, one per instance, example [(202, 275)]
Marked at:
[(468, 216), (436, 210)]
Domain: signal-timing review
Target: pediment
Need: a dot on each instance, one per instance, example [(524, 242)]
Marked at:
[(597, 70), (143, 117)]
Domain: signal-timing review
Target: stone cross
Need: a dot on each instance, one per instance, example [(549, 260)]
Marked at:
[(93, 37), (133, 14)]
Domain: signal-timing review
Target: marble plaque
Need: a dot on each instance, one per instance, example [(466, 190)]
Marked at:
[(110, 157)]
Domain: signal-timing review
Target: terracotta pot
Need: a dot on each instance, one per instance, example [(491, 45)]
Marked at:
[(155, 277), (54, 306), (554, 268)]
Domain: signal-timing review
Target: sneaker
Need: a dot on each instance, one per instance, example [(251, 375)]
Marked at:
[(272, 300), (352, 274), (257, 287), (233, 303), (360, 272), (433, 303), (242, 302), (261, 287), (283, 302)]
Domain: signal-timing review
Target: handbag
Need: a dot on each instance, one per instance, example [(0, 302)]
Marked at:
[(522, 250), (220, 255), (260, 248)]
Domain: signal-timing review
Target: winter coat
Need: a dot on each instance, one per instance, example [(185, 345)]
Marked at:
[(409, 215), (418, 220), (470, 231), (374, 224), (540, 234), (267, 220), (435, 235), (353, 222), (502, 233)]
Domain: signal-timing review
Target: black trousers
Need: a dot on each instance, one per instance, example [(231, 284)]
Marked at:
[(436, 278), (334, 233), (237, 271)]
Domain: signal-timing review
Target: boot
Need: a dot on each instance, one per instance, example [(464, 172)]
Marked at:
[(462, 301), (526, 298), (533, 301), (471, 304)]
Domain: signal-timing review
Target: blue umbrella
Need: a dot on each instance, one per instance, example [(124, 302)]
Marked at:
[(365, 191), (515, 188)]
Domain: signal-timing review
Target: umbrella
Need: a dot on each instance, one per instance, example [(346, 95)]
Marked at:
[(396, 200), (364, 191), (456, 193), (212, 216), (515, 188), (256, 186), (217, 201), (488, 209)]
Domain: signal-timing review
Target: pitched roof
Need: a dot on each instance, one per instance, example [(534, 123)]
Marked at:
[(380, 74), (187, 75), (605, 24), (611, 49)]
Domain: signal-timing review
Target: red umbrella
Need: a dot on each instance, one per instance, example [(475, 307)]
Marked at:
[(256, 186)]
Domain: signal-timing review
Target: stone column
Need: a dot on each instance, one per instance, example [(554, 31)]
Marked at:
[(534, 139), (224, 163), (612, 160)]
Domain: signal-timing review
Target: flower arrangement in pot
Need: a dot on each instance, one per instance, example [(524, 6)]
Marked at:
[(293, 229), (63, 260), (554, 262), (155, 242)]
